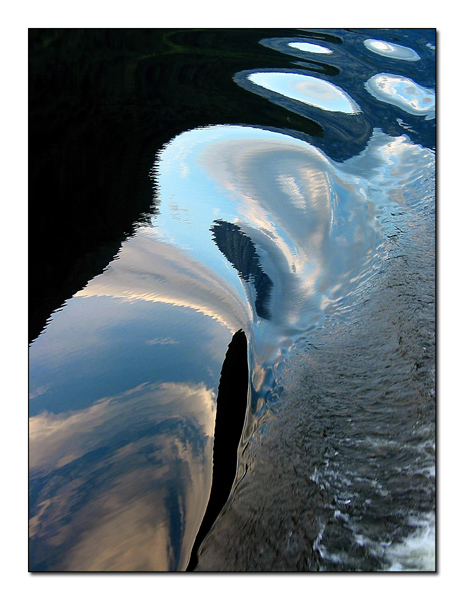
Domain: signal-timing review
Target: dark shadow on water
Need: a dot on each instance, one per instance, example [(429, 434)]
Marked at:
[(230, 417), (240, 251)]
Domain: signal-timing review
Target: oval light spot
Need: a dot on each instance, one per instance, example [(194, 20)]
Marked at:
[(309, 90)]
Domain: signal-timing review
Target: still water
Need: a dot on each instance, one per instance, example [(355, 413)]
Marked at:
[(291, 235)]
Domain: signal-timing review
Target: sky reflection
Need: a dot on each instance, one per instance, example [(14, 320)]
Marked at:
[(156, 271), (309, 47), (391, 50), (123, 381), (307, 89), (315, 223), (403, 93), (113, 481), (119, 475)]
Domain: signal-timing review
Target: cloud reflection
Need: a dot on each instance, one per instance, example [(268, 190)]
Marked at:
[(307, 89), (404, 93), (316, 224), (309, 47), (121, 483), (155, 271), (123, 465), (391, 50)]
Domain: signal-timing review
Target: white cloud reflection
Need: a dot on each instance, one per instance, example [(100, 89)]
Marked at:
[(58, 439), (404, 93), (307, 89), (308, 47), (125, 522), (315, 223), (155, 271), (118, 480), (391, 50)]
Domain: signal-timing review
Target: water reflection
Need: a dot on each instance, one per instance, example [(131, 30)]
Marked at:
[(403, 93), (309, 47), (308, 50), (255, 230), (119, 475), (391, 50), (150, 269), (122, 484), (309, 90), (311, 226)]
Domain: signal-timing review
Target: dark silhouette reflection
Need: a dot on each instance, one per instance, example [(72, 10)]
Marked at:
[(241, 253), (230, 417)]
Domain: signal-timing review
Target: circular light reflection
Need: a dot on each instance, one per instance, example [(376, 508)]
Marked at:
[(391, 50), (403, 93)]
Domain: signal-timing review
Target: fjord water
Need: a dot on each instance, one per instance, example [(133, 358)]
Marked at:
[(297, 206)]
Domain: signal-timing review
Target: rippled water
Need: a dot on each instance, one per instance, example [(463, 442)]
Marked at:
[(316, 239)]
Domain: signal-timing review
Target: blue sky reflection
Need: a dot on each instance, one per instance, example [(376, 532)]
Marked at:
[(315, 223), (391, 50), (103, 479), (404, 93), (309, 47), (123, 386), (123, 381), (307, 89)]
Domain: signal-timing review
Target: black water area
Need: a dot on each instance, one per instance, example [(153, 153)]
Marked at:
[(231, 300)]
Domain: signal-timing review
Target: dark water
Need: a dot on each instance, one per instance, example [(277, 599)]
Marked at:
[(188, 185)]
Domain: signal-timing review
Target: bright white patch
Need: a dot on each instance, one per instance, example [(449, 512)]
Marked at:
[(307, 47), (310, 90), (416, 552), (391, 50), (403, 93)]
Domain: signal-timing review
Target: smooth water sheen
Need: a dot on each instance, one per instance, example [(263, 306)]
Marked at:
[(316, 239), (306, 89)]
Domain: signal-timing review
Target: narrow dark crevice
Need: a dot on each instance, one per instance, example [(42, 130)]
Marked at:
[(230, 417)]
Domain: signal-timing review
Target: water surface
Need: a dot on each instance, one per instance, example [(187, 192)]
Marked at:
[(290, 223)]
